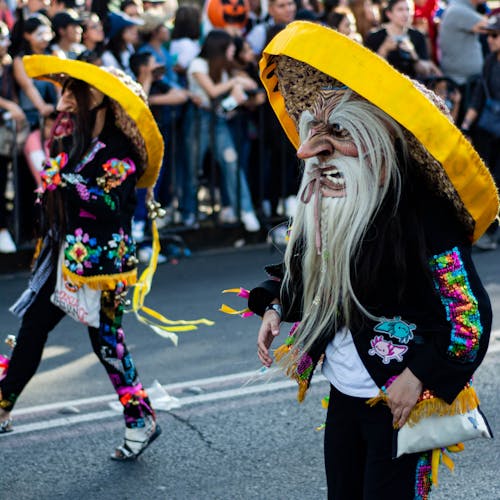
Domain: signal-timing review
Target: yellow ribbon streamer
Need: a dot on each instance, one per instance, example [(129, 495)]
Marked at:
[(439, 456), (229, 310), (157, 322)]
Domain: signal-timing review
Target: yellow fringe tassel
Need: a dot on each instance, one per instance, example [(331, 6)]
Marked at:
[(301, 394), (281, 351), (465, 401), (101, 281)]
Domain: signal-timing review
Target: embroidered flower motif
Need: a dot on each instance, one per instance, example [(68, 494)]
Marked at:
[(51, 173), (81, 252), (115, 172), (121, 248)]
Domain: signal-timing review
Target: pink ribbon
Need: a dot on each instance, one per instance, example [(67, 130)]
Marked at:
[(316, 181)]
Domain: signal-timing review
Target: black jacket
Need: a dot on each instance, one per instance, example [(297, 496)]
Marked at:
[(436, 319)]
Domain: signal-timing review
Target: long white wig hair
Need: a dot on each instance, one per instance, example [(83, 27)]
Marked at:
[(328, 296)]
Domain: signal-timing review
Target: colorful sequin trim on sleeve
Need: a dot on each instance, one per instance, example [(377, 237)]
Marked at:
[(423, 482), (450, 279)]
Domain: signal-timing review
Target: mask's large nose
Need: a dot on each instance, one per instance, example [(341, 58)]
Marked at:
[(64, 105), (316, 145)]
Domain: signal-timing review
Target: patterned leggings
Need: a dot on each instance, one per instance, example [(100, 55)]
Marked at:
[(108, 342)]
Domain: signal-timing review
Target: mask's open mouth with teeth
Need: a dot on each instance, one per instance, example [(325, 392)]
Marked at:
[(332, 183)]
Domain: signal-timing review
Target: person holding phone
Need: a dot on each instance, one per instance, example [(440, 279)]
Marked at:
[(402, 46), (210, 78)]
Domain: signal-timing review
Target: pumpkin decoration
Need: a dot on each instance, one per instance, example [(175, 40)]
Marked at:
[(223, 13)]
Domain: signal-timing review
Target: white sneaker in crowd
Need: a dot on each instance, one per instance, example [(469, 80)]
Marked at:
[(290, 206), (250, 221), (7, 244), (144, 256), (138, 230), (190, 222), (164, 221), (486, 242), (227, 216)]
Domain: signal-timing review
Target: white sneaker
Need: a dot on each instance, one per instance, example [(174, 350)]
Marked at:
[(250, 222), (138, 230), (227, 216), (164, 221), (144, 256), (7, 244), (486, 242), (291, 206)]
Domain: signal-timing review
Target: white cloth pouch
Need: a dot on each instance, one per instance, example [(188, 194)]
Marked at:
[(80, 302), (437, 431)]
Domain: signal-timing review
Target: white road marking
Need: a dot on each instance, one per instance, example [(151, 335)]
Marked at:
[(190, 400), (112, 397), (54, 351), (260, 379)]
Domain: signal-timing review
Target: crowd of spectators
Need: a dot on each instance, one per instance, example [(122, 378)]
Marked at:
[(226, 157)]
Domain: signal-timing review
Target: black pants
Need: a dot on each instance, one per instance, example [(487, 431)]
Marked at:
[(358, 451), (108, 342)]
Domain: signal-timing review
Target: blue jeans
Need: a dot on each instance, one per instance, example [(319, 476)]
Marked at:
[(200, 140)]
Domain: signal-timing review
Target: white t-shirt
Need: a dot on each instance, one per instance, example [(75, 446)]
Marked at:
[(185, 49), (344, 369), (200, 65)]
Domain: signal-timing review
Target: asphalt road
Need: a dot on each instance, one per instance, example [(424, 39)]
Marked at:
[(230, 431)]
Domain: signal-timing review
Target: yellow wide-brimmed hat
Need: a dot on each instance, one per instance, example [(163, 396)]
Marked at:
[(128, 102), (304, 58)]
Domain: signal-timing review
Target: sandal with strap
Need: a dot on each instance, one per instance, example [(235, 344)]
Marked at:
[(137, 440)]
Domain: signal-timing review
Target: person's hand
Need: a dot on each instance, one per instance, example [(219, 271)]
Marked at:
[(16, 112), (407, 46), (388, 45), (195, 99), (47, 109), (245, 82), (402, 396), (255, 100), (239, 94), (269, 330)]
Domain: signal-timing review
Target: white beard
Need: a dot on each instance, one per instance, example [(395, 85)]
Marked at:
[(343, 223)]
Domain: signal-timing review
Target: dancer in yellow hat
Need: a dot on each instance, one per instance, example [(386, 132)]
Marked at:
[(378, 275), (105, 144)]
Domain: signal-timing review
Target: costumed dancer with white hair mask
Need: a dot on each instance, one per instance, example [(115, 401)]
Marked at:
[(378, 275)]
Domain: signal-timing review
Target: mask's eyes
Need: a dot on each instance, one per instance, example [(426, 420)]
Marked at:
[(338, 131)]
